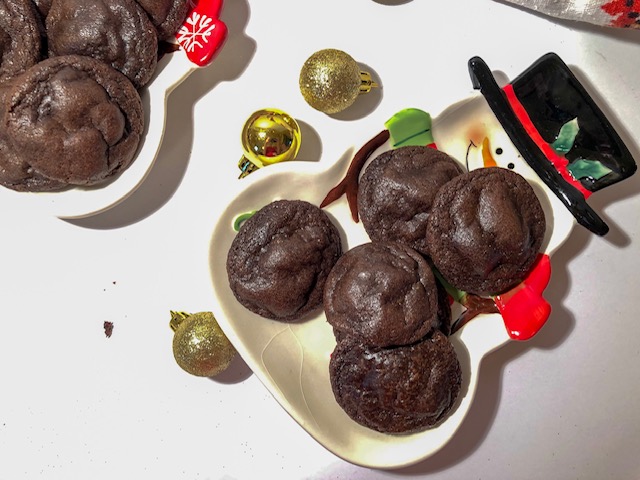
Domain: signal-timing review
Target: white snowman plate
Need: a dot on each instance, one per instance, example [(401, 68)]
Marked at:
[(292, 360), (199, 39)]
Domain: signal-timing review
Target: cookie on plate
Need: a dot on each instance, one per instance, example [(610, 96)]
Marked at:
[(396, 390), (15, 172), (166, 15), (21, 43), (279, 260), (73, 120), (117, 32), (485, 230), (397, 189), (383, 293)]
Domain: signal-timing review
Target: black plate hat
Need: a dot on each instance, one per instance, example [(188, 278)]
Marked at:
[(534, 110)]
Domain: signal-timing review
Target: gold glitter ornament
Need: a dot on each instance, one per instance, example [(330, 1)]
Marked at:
[(269, 136), (331, 80), (200, 347)]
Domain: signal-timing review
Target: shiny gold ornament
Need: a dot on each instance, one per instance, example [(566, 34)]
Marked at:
[(200, 347), (269, 136), (331, 80)]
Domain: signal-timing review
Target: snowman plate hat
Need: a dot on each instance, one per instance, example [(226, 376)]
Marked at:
[(559, 131)]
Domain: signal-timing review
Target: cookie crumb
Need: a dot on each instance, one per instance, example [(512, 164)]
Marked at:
[(108, 329)]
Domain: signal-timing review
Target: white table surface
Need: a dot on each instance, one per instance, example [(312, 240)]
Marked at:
[(75, 404)]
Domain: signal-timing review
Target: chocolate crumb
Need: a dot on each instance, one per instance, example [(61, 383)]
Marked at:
[(108, 329)]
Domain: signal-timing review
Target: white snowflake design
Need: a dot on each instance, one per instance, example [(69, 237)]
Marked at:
[(195, 31)]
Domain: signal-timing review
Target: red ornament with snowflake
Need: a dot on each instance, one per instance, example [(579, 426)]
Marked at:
[(203, 33), (626, 13)]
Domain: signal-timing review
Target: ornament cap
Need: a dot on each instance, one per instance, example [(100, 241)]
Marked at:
[(246, 166), (366, 83), (176, 319)]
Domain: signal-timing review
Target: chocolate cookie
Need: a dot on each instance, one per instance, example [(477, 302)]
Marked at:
[(117, 32), (383, 293), (20, 37), (396, 191), (166, 15), (15, 172), (279, 260), (74, 120), (396, 390), (485, 230)]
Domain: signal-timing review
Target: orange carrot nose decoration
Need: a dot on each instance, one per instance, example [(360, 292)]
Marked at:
[(487, 158)]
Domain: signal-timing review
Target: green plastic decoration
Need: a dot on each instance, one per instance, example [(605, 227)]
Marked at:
[(583, 168), (240, 219), (566, 137), (410, 126)]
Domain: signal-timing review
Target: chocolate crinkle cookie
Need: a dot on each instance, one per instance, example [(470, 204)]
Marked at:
[(15, 172), (117, 32), (485, 230), (396, 191), (383, 293), (396, 390), (279, 260), (21, 41), (166, 15), (68, 120)]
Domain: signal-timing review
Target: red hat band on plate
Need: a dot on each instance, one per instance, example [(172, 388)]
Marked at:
[(560, 163)]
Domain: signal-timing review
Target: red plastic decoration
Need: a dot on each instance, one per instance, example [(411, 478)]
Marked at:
[(523, 309), (202, 34)]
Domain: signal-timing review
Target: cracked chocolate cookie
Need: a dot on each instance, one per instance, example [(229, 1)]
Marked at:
[(485, 230), (21, 43), (117, 32), (382, 293), (73, 120), (396, 390), (279, 260)]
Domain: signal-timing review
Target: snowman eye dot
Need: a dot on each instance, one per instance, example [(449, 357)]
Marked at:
[(511, 166), (498, 151)]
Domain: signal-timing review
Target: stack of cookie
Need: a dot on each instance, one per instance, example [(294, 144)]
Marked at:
[(433, 228), (70, 75), (394, 369)]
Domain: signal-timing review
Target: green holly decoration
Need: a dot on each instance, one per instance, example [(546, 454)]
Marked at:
[(581, 167)]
